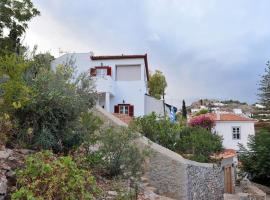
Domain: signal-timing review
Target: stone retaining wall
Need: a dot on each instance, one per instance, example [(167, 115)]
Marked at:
[(174, 176)]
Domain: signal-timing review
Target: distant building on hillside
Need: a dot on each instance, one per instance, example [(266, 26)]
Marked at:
[(233, 128)]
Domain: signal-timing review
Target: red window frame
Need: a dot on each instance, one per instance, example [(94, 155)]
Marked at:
[(93, 71), (130, 109)]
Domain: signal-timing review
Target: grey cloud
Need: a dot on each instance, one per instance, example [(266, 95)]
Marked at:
[(207, 48)]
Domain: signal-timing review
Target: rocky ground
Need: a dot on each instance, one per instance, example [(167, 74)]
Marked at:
[(12, 159)]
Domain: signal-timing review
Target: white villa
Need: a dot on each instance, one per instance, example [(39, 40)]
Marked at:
[(233, 128), (121, 82)]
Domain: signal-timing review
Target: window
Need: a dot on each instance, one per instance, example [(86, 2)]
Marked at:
[(128, 72), (126, 109), (101, 72), (236, 133), (123, 109)]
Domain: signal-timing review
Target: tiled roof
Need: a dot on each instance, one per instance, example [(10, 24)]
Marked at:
[(227, 153), (115, 57), (227, 117), (125, 118)]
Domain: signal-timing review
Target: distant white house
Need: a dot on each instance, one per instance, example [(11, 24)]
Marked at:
[(121, 82), (259, 106), (233, 128)]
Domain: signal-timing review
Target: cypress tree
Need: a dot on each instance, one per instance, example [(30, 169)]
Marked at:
[(184, 109), (264, 89)]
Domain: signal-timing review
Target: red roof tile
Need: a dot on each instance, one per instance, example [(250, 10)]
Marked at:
[(227, 117)]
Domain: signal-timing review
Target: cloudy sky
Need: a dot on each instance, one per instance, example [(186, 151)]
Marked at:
[(206, 48)]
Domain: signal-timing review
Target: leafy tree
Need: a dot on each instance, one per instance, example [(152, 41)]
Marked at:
[(255, 159), (50, 108), (14, 15), (198, 144), (184, 110), (264, 89), (53, 117), (195, 143), (157, 84), (15, 91), (157, 129)]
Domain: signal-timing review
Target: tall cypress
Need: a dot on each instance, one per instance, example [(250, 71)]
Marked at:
[(184, 109), (264, 87)]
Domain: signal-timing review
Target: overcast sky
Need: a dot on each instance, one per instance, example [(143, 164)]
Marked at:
[(206, 48)]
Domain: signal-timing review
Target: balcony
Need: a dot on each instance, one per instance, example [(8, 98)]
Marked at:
[(104, 84)]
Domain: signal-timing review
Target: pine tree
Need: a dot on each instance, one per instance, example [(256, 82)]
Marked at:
[(264, 89), (184, 110)]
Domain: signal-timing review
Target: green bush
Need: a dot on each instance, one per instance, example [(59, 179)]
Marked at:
[(256, 159), (118, 153), (193, 142), (50, 106), (157, 129), (198, 143), (48, 177)]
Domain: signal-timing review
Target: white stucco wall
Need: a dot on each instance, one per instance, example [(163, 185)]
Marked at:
[(224, 129), (132, 92), (153, 105)]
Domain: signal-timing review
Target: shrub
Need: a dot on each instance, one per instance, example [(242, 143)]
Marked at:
[(202, 121), (198, 143), (7, 127), (256, 160), (48, 177), (157, 129), (58, 112), (195, 142), (202, 111), (118, 153)]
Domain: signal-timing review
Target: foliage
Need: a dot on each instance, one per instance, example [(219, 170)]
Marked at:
[(157, 129), (264, 89), (233, 102), (181, 120), (6, 129), (195, 142), (184, 109), (16, 92), (256, 160), (48, 177), (117, 153), (202, 121), (14, 15), (157, 84), (50, 106), (202, 112), (57, 114), (198, 143)]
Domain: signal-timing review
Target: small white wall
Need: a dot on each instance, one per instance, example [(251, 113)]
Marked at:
[(153, 105), (224, 129)]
